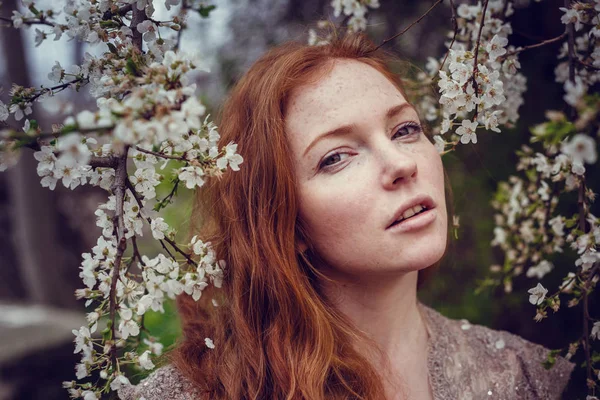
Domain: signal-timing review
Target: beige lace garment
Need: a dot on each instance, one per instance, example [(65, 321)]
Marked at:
[(466, 362)]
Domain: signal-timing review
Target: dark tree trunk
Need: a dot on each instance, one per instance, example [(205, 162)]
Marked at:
[(33, 261)]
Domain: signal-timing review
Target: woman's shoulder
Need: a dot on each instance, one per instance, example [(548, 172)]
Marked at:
[(164, 383), (499, 358)]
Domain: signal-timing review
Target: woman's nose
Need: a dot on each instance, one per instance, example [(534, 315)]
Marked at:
[(397, 166)]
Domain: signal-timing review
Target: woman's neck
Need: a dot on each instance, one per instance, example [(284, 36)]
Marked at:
[(386, 310)]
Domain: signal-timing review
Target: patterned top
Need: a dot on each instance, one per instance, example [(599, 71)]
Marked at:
[(465, 362)]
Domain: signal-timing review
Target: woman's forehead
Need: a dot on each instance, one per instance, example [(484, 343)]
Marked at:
[(343, 78), (349, 90)]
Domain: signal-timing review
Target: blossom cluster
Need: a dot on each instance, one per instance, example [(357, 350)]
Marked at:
[(148, 124), (355, 11), (479, 81), (532, 224), (585, 18), (355, 18), (528, 228)]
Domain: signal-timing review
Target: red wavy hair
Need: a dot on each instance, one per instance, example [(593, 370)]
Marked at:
[(276, 335)]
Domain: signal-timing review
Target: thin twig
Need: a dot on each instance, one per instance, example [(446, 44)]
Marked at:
[(475, 66), (586, 65), (505, 8), (478, 43), (54, 89), (168, 198), (136, 251), (138, 199), (28, 22), (408, 27), (161, 155), (533, 46), (118, 188), (571, 44), (454, 21), (586, 316)]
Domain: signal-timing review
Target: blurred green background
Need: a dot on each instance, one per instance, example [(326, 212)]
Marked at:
[(43, 233)]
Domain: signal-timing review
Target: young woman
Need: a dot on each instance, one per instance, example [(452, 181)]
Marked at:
[(338, 208)]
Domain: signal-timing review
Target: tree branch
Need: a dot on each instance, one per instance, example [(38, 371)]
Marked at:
[(120, 11), (138, 199), (533, 46), (161, 155), (571, 42), (586, 316), (57, 88), (28, 22), (475, 65), (478, 43), (454, 21), (104, 162), (408, 27), (118, 188), (139, 16), (586, 65)]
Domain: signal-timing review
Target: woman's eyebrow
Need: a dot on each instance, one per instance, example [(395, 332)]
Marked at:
[(345, 129)]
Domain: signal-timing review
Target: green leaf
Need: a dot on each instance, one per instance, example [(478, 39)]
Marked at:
[(68, 129), (204, 11), (551, 359), (112, 48), (131, 67), (571, 222)]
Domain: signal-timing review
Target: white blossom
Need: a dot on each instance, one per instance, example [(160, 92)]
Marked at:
[(89, 395), (467, 131), (587, 259), (540, 270), (571, 16), (209, 343), (581, 148), (119, 382), (230, 157), (57, 73), (145, 361), (192, 176), (148, 29), (155, 346), (496, 47), (92, 319), (39, 37), (17, 19), (557, 225), (596, 331), (574, 91), (128, 328), (537, 294), (195, 285), (568, 283), (82, 339), (439, 143), (159, 227)]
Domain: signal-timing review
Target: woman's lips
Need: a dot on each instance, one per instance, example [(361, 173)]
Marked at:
[(416, 222)]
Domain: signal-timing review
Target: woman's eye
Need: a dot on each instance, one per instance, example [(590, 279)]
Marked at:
[(408, 130), (331, 160)]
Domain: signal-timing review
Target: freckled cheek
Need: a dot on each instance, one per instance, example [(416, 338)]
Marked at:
[(334, 211)]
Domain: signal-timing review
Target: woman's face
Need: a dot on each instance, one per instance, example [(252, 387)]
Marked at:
[(361, 159)]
